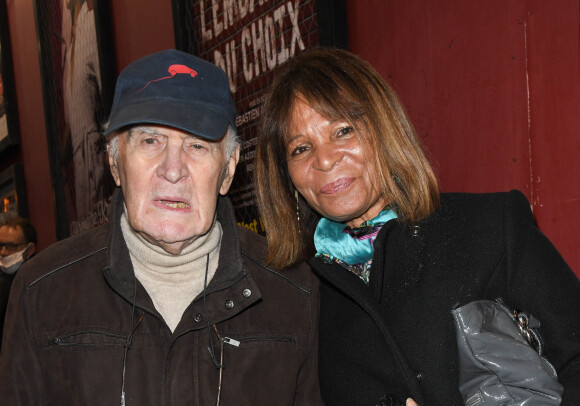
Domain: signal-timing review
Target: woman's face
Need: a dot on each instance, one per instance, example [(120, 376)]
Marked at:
[(332, 167)]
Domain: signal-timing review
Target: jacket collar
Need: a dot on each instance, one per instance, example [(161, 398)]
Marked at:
[(397, 263), (119, 272)]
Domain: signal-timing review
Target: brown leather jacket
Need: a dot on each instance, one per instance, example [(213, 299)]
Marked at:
[(73, 317)]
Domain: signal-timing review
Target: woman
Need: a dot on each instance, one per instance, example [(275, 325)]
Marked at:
[(341, 173)]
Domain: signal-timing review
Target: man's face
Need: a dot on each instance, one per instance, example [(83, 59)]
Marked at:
[(12, 240), (171, 181)]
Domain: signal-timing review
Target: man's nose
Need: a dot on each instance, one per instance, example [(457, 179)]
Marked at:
[(173, 168)]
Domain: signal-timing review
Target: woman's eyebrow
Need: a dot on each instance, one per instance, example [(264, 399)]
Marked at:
[(289, 140)]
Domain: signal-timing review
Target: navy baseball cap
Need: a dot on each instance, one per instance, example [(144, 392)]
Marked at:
[(175, 89)]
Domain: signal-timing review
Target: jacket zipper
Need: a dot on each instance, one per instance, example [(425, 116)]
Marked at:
[(237, 341)]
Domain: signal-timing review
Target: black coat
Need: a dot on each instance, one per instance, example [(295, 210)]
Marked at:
[(396, 336)]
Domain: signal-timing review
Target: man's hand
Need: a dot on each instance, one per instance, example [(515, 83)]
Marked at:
[(411, 402)]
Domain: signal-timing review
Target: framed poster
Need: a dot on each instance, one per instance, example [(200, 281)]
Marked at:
[(8, 110), (78, 73), (249, 39), (12, 193)]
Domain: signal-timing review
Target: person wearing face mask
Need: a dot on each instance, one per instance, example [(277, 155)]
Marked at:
[(17, 244)]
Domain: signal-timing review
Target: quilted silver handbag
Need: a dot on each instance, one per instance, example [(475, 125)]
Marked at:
[(500, 358)]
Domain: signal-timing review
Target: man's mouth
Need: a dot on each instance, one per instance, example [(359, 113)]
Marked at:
[(174, 204)]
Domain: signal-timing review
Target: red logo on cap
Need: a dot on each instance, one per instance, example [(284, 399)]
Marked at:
[(174, 70)]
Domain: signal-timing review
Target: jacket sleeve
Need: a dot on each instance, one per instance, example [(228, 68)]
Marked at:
[(308, 388), (20, 372), (540, 281)]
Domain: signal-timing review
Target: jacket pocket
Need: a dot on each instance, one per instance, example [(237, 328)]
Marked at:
[(88, 338)]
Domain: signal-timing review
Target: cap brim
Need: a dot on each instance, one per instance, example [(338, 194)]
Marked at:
[(201, 121)]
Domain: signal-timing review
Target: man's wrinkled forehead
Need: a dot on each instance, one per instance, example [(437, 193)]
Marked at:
[(159, 130), (133, 132)]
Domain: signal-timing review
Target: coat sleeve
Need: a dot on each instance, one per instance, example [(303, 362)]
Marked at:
[(20, 372), (540, 281), (308, 388)]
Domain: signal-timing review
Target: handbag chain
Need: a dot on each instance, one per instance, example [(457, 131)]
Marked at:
[(530, 334)]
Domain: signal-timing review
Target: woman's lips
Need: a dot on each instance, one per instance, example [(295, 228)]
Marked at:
[(336, 186)]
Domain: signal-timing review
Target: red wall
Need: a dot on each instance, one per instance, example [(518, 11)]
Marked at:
[(494, 91), (493, 88)]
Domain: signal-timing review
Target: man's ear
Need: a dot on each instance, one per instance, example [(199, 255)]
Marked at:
[(230, 171), (114, 168)]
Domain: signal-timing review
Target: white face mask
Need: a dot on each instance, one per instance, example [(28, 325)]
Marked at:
[(11, 263)]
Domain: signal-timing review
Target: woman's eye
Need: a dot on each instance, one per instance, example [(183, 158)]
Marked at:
[(344, 131), (298, 150)]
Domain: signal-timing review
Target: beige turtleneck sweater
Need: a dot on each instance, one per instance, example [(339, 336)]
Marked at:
[(173, 281)]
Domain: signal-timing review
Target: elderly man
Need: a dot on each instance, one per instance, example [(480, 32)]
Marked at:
[(167, 304)]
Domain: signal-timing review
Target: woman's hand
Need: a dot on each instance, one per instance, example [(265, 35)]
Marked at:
[(411, 402)]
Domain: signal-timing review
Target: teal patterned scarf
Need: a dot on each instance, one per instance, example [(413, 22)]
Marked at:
[(350, 247)]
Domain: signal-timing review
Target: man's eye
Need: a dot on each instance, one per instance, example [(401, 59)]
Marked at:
[(195, 145), (151, 144)]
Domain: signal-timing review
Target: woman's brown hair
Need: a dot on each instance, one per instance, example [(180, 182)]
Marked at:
[(338, 85)]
